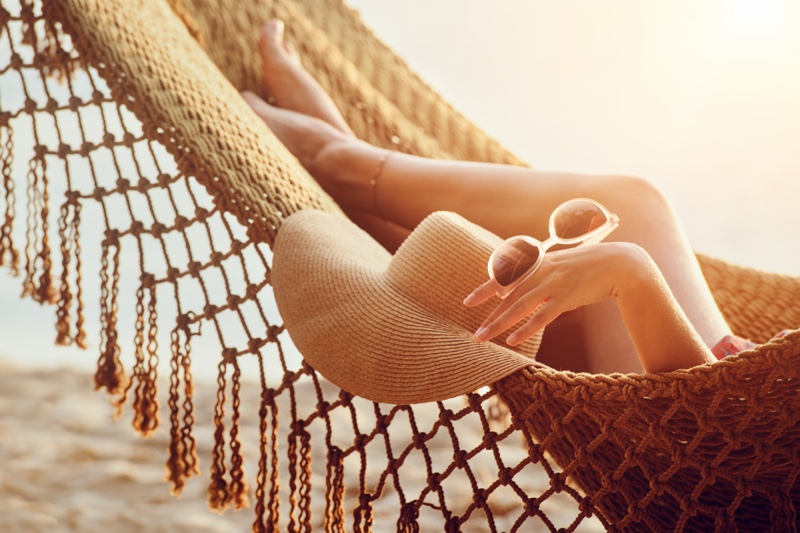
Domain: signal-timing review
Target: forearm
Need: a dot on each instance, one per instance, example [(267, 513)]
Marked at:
[(662, 334)]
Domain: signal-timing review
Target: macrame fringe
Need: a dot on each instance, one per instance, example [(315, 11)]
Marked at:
[(334, 494), (299, 478), (182, 462), (8, 253), (408, 520), (222, 492), (38, 282), (267, 506), (363, 513), (145, 369), (110, 374), (274, 501), (69, 235), (238, 487)]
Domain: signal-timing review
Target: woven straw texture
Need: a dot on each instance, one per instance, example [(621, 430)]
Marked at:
[(419, 346), (121, 127)]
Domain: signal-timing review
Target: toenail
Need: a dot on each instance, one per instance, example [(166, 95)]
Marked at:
[(276, 25)]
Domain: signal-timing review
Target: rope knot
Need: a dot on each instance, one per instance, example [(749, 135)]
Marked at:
[(253, 345), (209, 311), (229, 355), (137, 228), (531, 507), (505, 476), (148, 280)]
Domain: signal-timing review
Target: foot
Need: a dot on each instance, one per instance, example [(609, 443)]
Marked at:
[(341, 164), (289, 84)]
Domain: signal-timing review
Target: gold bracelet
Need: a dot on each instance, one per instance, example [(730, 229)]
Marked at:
[(373, 183)]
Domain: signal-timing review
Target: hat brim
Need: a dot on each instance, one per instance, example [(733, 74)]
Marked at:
[(390, 329)]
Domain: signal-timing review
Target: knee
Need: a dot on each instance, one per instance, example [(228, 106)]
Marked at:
[(624, 194)]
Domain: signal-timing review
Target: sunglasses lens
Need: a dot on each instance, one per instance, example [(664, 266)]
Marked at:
[(512, 260), (577, 218)]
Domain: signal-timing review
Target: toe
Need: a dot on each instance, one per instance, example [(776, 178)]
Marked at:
[(271, 37)]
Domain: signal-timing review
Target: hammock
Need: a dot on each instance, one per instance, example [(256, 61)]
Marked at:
[(128, 112)]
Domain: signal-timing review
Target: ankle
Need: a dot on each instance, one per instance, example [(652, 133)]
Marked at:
[(348, 169)]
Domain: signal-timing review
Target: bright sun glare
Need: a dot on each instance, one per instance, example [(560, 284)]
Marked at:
[(758, 18)]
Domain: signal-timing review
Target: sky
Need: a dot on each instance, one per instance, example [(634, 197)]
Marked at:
[(700, 96)]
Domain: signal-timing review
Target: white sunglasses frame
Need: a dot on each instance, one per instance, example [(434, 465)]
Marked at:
[(594, 236)]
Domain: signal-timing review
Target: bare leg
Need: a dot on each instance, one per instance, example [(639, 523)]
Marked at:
[(291, 87), (511, 201), (504, 199), (289, 84)]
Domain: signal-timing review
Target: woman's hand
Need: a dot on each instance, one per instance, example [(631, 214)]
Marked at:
[(566, 279), (664, 338)]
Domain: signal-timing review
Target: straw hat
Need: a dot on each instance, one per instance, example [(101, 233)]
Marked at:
[(391, 329)]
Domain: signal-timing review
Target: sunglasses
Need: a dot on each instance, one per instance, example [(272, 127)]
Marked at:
[(575, 222)]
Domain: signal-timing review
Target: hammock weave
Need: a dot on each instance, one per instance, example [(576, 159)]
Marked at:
[(127, 116)]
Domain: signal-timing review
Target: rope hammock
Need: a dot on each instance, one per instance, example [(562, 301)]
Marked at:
[(121, 122)]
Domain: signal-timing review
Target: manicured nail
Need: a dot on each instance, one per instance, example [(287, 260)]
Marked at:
[(481, 334), (512, 339), (469, 299)]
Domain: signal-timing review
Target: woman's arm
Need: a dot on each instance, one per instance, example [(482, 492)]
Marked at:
[(567, 279)]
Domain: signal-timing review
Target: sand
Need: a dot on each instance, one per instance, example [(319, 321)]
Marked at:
[(65, 465)]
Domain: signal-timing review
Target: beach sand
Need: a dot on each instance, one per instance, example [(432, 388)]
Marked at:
[(66, 465)]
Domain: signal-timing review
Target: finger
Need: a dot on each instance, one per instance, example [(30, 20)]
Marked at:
[(506, 318), (512, 299), (481, 294), (546, 313)]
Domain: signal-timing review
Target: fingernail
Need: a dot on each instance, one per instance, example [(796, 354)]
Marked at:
[(512, 339), (469, 299), (481, 334)]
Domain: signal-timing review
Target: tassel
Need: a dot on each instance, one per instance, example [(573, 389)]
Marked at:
[(37, 245), (182, 462), (299, 478), (32, 227), (237, 487), (6, 230), (267, 405), (363, 512), (261, 477), (110, 374), (274, 491), (334, 495), (305, 478), (218, 496), (145, 403), (80, 333), (45, 292), (69, 235), (66, 235)]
